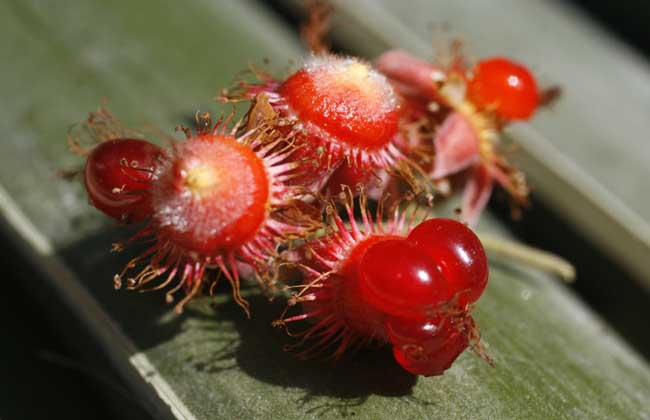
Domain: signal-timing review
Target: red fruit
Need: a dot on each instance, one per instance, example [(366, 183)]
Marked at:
[(338, 110), (330, 294), (342, 288), (474, 107), (504, 86), (366, 282), (399, 279), (429, 348), (118, 175), (220, 201), (458, 254), (346, 99), (211, 196)]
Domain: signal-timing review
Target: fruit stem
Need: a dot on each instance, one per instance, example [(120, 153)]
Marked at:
[(529, 255)]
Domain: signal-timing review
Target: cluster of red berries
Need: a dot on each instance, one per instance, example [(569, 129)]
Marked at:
[(237, 198), (411, 287), (213, 200), (448, 273)]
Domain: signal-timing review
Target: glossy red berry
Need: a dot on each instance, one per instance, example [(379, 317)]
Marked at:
[(398, 278), (429, 347), (118, 175), (211, 196), (505, 87), (457, 252)]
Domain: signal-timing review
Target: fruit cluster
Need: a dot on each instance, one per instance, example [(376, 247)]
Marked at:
[(467, 108), (249, 197), (409, 286)]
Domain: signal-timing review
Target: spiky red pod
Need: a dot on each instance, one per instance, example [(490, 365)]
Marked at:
[(345, 104), (375, 282), (330, 297), (219, 200), (342, 109), (475, 104)]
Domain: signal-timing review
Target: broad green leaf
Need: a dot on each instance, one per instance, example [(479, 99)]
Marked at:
[(159, 62)]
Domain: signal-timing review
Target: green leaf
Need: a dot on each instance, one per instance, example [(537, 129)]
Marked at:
[(160, 62)]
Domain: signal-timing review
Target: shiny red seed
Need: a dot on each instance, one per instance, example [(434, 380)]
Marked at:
[(402, 330), (118, 175), (398, 278), (429, 347), (458, 253), (504, 86)]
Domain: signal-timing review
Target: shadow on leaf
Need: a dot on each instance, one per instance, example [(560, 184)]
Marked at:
[(215, 337)]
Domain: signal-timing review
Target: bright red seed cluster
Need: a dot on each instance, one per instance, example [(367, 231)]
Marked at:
[(440, 259), (236, 200), (413, 291), (447, 272)]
